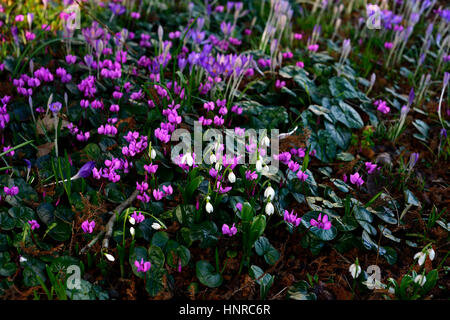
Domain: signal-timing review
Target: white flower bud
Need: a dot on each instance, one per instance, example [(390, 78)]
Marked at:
[(153, 154), (109, 257), (212, 158), (431, 253), (156, 226), (132, 221), (265, 142), (269, 208), (132, 231), (232, 177), (209, 208), (259, 165), (355, 270)]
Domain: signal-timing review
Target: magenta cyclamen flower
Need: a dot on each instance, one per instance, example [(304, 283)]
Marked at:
[(11, 191), (33, 224), (87, 226), (138, 217), (292, 218), (280, 84), (382, 106), (321, 223), (142, 266), (370, 167), (249, 175), (356, 179), (301, 175), (226, 230)]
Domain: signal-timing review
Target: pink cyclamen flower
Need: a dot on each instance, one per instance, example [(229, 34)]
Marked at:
[(321, 223), (298, 36), (292, 218), (356, 179), (313, 47), (33, 224), (382, 106), (300, 64), (142, 266), (226, 230), (388, 45), (251, 175), (87, 226), (11, 191), (138, 217), (301, 175), (280, 84), (239, 206), (370, 167)]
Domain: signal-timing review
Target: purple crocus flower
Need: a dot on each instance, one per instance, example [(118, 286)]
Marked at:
[(226, 230), (55, 107), (87, 226), (85, 171), (142, 266), (321, 223)]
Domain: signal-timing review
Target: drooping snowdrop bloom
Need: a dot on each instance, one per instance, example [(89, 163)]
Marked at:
[(209, 208), (269, 193), (420, 279), (269, 208), (355, 270), (232, 177), (156, 226)]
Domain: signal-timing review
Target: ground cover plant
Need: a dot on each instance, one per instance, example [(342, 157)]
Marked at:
[(224, 150)]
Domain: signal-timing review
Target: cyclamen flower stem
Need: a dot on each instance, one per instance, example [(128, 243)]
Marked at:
[(56, 133)]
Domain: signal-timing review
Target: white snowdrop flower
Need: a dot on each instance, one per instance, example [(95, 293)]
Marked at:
[(431, 253), (132, 221), (109, 257), (265, 142), (132, 231), (421, 256), (209, 208), (269, 208), (156, 226), (355, 270), (266, 168), (212, 158), (187, 159), (420, 279), (269, 193), (259, 165), (153, 154), (23, 259), (232, 177)]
